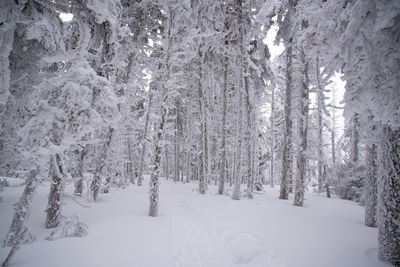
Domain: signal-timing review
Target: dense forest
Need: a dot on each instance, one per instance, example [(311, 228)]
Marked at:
[(100, 95)]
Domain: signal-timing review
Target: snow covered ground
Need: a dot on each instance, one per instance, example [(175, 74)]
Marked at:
[(199, 230)]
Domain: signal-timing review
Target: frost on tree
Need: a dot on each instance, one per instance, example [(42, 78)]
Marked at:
[(371, 187), (18, 230), (389, 196), (56, 174)]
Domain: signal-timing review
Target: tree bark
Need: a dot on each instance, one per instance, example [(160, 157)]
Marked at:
[(144, 142), (22, 209), (79, 182), (222, 176), (96, 183), (320, 96), (389, 196), (371, 187), (287, 137), (56, 174), (302, 125), (272, 123)]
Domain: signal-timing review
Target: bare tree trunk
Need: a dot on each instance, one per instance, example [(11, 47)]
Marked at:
[(320, 96), (302, 125), (355, 139), (272, 121), (203, 128), (154, 178), (249, 111), (156, 163), (130, 165), (371, 187), (144, 142), (79, 182), (333, 146), (96, 183), (327, 188), (222, 177), (287, 137), (56, 174), (22, 209)]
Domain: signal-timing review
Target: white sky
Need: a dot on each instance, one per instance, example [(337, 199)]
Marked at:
[(66, 17)]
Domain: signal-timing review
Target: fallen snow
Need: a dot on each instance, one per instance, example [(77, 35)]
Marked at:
[(199, 230)]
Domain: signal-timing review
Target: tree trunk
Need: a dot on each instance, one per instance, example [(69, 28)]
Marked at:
[(371, 187), (355, 139), (130, 166), (287, 137), (301, 137), (222, 176), (22, 209), (203, 164), (272, 123), (320, 99), (79, 173), (144, 142), (237, 175), (389, 196), (56, 174), (249, 111), (154, 178), (96, 183)]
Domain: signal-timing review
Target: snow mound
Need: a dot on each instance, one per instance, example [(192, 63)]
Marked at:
[(69, 227), (245, 250)]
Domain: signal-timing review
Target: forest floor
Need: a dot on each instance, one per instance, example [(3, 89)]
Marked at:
[(198, 230)]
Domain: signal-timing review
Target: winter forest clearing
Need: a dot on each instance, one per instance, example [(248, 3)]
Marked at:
[(201, 230), (200, 133)]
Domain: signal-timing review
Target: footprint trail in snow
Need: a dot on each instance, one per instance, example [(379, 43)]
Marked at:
[(205, 243)]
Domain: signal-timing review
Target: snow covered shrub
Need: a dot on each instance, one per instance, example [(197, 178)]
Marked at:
[(69, 227), (351, 182), (258, 187)]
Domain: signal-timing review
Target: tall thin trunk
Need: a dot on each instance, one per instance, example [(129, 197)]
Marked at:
[(144, 142), (249, 111), (203, 164), (130, 164), (79, 173), (333, 146), (355, 139), (237, 175), (302, 125), (320, 129), (156, 163), (371, 187), (96, 182), (236, 194), (287, 136), (272, 123), (154, 178), (222, 176), (56, 174)]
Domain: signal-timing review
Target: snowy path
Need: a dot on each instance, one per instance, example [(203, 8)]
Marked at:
[(205, 243), (195, 230)]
